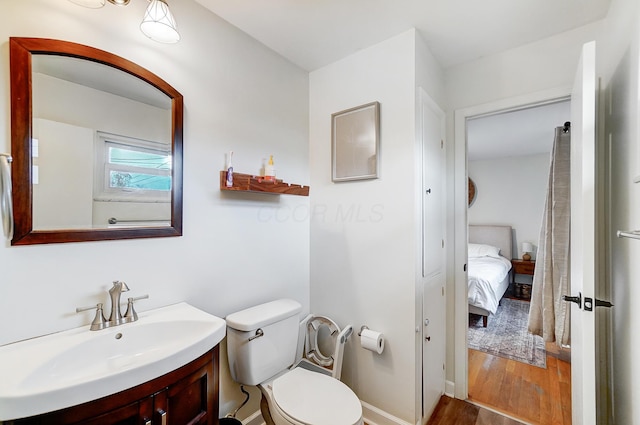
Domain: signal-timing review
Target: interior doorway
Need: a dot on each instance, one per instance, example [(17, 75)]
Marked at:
[(510, 370), (467, 374)]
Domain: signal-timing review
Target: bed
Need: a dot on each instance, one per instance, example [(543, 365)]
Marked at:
[(489, 266)]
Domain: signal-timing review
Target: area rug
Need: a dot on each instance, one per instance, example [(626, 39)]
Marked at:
[(506, 334)]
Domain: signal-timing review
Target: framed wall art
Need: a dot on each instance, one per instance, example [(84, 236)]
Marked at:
[(355, 143)]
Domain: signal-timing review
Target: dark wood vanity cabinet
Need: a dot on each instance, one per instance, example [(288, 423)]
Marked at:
[(186, 396)]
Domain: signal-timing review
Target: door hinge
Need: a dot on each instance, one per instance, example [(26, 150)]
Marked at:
[(442, 288), (443, 243), (441, 144)]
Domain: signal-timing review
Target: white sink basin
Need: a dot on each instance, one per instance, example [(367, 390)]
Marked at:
[(68, 368)]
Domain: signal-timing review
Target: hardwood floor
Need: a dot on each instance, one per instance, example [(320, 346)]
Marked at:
[(535, 395), (451, 411)]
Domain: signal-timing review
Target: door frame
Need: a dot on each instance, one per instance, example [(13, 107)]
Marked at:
[(460, 386)]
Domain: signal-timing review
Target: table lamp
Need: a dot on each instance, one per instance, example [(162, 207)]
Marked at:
[(527, 247)]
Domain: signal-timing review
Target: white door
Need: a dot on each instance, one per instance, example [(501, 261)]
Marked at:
[(433, 188), (433, 344), (433, 271), (583, 228)]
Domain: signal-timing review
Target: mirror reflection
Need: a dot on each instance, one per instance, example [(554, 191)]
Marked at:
[(97, 146), (101, 147)]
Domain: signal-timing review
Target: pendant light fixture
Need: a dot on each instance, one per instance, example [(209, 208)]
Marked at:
[(158, 23)]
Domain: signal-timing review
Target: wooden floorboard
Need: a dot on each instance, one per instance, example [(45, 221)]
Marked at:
[(532, 394), (451, 411)]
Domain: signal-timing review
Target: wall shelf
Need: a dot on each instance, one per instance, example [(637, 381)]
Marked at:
[(250, 183)]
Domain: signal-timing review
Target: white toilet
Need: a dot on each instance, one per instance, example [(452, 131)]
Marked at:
[(267, 346)]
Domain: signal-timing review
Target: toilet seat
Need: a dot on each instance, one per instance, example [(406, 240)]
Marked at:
[(312, 351), (314, 399)]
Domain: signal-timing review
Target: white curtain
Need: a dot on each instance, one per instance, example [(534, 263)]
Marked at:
[(549, 314)]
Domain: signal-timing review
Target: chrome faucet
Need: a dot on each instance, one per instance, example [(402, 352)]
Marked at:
[(115, 318)]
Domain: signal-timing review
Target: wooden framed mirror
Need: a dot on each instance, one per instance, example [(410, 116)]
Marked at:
[(97, 146)]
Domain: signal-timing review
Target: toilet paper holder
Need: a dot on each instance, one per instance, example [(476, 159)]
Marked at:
[(363, 327), (371, 340)]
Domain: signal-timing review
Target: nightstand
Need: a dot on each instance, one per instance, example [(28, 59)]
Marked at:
[(522, 290)]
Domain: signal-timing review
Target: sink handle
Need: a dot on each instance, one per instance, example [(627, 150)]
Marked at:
[(130, 315), (141, 297), (99, 322)]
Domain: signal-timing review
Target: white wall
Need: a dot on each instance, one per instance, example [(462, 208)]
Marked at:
[(618, 64), (237, 250), (63, 171), (544, 66), (511, 191), (59, 100), (363, 263)]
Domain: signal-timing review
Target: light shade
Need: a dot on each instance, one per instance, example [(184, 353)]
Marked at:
[(93, 4), (158, 23), (527, 247)]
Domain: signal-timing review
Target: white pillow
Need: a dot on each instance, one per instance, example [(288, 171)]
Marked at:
[(481, 250)]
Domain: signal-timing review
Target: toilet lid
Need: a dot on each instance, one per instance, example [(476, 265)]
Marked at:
[(312, 398)]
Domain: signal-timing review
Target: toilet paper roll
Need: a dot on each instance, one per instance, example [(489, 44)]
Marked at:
[(372, 341)]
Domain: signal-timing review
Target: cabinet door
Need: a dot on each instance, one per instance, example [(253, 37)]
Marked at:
[(138, 413), (186, 401)]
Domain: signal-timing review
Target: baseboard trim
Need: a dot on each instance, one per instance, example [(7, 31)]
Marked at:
[(254, 419), (449, 388), (499, 412), (374, 416)]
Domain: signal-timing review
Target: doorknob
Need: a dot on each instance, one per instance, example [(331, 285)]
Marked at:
[(577, 300), (426, 322)]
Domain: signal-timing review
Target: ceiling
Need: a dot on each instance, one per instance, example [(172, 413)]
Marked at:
[(100, 77), (315, 33), (517, 133)]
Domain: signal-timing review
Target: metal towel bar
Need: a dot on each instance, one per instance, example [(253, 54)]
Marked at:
[(633, 234), (114, 220)]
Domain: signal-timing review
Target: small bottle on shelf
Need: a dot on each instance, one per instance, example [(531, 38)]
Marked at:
[(269, 170), (229, 182)]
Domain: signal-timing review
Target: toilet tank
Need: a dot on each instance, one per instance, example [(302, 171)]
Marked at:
[(253, 358)]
